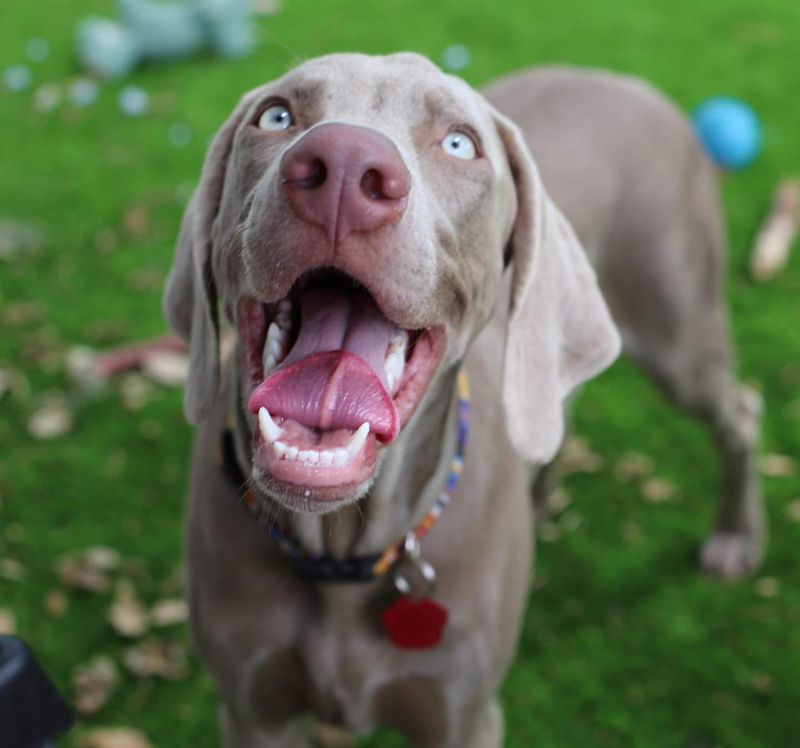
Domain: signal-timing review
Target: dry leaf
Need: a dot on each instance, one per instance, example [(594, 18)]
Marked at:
[(8, 622), (156, 657), (102, 558), (56, 603), (147, 279), (127, 615), (657, 490), (53, 419), (15, 533), (549, 532), (135, 391), (167, 368), (13, 381), (172, 584), (44, 348), (570, 520), (137, 221), (105, 241), (18, 238), (82, 369), (632, 466), (558, 500), (767, 587), (23, 313), (93, 684), (5, 382), (76, 573), (169, 612), (12, 570), (631, 532), (778, 466), (577, 456), (114, 737), (763, 682), (267, 7), (774, 241)]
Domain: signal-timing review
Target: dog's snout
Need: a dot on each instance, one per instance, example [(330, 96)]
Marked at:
[(345, 179)]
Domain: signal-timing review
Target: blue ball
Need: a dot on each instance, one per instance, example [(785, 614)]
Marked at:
[(730, 131)]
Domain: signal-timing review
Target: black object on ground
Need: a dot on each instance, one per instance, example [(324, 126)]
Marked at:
[(32, 711)]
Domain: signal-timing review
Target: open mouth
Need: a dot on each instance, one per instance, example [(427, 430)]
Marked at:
[(330, 380)]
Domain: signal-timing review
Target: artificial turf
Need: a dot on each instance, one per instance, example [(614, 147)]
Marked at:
[(623, 643)]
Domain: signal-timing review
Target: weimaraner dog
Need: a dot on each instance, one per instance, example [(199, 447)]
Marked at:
[(371, 227)]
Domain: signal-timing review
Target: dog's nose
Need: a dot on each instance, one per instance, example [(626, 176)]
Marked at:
[(345, 179)]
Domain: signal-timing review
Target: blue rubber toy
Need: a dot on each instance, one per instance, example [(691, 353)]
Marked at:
[(152, 30), (730, 131)]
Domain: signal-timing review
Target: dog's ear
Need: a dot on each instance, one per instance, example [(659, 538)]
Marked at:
[(560, 332), (190, 297)]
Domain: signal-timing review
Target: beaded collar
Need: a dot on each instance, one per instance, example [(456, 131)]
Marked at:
[(326, 568)]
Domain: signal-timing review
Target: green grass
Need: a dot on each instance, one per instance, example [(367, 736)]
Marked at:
[(623, 644)]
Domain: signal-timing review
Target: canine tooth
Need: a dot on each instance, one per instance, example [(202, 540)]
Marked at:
[(279, 448), (273, 333), (357, 440), (275, 348), (395, 361), (340, 457), (269, 363), (310, 456), (326, 457), (291, 453), (269, 429)]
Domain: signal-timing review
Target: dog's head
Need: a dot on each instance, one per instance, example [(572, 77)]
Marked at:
[(354, 219)]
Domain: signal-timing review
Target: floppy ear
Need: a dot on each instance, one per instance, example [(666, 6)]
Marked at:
[(190, 298), (560, 332)]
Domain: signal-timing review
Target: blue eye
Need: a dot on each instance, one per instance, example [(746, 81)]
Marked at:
[(460, 145), (275, 118)]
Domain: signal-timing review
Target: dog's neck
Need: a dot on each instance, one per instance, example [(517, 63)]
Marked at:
[(401, 495)]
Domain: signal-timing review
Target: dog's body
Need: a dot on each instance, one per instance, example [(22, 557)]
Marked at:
[(626, 170)]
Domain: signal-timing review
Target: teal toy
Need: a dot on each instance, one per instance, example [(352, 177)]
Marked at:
[(149, 30), (730, 131)]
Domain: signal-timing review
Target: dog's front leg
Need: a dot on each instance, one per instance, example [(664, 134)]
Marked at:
[(241, 733), (487, 727)]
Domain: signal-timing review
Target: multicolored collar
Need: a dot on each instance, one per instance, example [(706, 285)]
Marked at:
[(326, 568)]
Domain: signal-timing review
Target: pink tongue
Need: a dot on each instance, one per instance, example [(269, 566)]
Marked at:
[(334, 377)]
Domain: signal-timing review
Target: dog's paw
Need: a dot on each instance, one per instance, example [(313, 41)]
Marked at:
[(731, 555)]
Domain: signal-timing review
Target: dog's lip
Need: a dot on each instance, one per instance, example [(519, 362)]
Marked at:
[(310, 486), (325, 484)]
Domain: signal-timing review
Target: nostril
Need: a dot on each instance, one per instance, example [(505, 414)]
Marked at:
[(307, 175), (372, 185)]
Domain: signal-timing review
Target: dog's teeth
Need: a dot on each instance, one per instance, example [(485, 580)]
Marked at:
[(357, 441), (340, 457), (275, 348), (326, 457), (309, 456), (395, 361), (279, 448), (275, 343), (269, 429)]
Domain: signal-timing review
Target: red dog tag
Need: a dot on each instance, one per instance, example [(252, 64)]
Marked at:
[(415, 624)]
